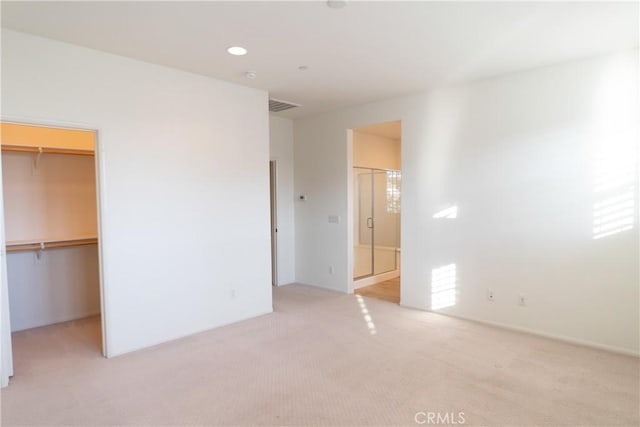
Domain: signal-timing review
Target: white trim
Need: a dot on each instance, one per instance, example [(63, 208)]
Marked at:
[(6, 351), (273, 220), (56, 124), (349, 146)]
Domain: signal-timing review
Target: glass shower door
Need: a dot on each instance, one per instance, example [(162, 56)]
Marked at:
[(363, 223), (386, 223), (376, 221)]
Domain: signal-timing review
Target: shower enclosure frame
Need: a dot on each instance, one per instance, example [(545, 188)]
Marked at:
[(372, 273)]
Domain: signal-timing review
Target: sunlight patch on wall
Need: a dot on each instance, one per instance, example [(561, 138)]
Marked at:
[(443, 286), (613, 215), (615, 167), (448, 213), (615, 153)]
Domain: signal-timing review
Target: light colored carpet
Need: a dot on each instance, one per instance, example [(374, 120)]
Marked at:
[(318, 361)]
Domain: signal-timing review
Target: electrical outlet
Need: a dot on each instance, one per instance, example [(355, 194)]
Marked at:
[(233, 293), (490, 295), (331, 269), (521, 300)]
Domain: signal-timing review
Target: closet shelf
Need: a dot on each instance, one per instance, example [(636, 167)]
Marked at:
[(46, 150), (49, 244)]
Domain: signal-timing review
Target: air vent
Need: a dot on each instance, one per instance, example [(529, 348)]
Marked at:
[(276, 105)]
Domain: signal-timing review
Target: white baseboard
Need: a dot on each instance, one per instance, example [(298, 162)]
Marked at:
[(563, 338)]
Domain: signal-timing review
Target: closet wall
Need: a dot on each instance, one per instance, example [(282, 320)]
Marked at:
[(184, 184), (51, 224)]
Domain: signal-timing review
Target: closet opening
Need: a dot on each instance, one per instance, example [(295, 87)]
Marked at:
[(50, 196), (377, 179)]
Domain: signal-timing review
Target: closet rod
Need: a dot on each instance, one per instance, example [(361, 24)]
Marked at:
[(46, 150), (39, 246)]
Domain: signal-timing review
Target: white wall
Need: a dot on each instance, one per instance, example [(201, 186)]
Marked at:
[(281, 150), (516, 155), (183, 177)]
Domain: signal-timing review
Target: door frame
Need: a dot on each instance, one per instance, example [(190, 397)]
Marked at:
[(6, 347), (350, 198), (273, 204)]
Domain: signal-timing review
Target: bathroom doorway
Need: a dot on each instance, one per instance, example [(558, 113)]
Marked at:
[(377, 180)]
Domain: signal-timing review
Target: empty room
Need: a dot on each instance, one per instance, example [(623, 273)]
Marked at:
[(329, 213)]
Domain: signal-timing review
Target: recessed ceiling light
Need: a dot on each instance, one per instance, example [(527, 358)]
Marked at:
[(303, 68), (251, 75), (336, 4), (237, 50)]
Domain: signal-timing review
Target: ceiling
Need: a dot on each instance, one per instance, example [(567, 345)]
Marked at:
[(363, 52)]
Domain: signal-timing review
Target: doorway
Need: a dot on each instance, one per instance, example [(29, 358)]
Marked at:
[(51, 232), (377, 180)]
